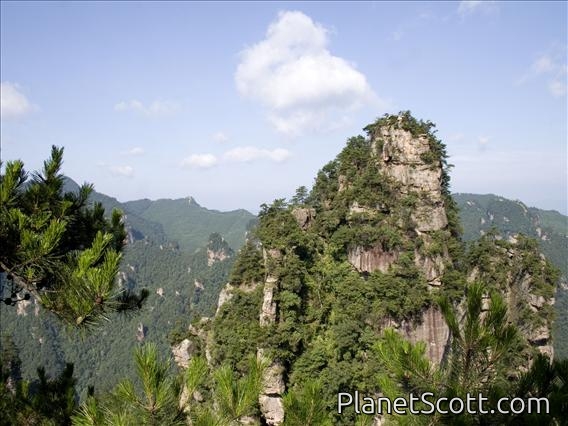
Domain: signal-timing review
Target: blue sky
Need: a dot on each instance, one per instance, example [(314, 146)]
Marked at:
[(237, 104)]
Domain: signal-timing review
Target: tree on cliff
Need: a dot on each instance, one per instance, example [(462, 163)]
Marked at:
[(58, 248)]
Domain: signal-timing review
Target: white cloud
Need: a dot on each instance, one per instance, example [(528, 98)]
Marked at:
[(220, 137), (551, 66), (543, 64), (456, 137), (156, 108), (201, 161), (483, 140), (557, 88), (247, 154), (468, 7), (137, 150), (119, 171), (293, 74), (13, 103), (126, 171)]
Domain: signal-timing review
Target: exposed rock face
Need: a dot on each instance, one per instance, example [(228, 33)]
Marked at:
[(22, 307), (270, 398), (141, 332), (370, 260), (182, 352), (224, 296), (216, 256), (431, 329), (403, 158), (432, 266), (520, 290), (268, 310), (304, 216)]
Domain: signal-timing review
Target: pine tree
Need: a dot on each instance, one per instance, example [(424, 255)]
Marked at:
[(58, 248), (480, 358)]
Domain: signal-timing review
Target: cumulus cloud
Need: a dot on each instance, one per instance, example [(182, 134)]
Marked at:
[(241, 154), (294, 75), (200, 161), (156, 108), (483, 140), (247, 154), (13, 103), (220, 137)]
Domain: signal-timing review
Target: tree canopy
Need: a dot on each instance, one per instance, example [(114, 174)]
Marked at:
[(58, 247)]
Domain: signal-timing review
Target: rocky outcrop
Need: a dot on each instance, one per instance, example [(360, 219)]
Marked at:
[(528, 306), (304, 216), (430, 329), (270, 398), (373, 259), (404, 158), (224, 296), (216, 256), (141, 332), (433, 330), (268, 310), (183, 351)]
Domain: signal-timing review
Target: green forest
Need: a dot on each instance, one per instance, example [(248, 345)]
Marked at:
[(326, 292)]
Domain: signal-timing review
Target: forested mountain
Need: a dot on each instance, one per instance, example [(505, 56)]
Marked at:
[(376, 245), (185, 221)]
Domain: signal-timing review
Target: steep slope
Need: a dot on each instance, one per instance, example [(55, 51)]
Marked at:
[(372, 246)]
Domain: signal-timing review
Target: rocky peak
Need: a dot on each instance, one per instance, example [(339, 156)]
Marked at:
[(217, 249)]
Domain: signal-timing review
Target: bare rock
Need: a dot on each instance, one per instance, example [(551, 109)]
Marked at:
[(304, 216), (216, 256), (268, 310), (225, 295), (272, 409), (183, 351), (434, 331), (370, 260)]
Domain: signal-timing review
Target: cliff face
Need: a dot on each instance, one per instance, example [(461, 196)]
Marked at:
[(415, 172), (373, 246)]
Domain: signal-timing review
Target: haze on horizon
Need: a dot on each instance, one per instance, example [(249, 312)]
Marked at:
[(237, 104)]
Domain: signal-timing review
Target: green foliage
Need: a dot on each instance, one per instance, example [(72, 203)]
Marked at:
[(481, 360), (305, 407), (57, 248), (238, 397), (480, 213), (236, 329), (249, 265), (300, 197), (43, 401), (154, 402)]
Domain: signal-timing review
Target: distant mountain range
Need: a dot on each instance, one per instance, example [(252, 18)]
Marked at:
[(169, 253)]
